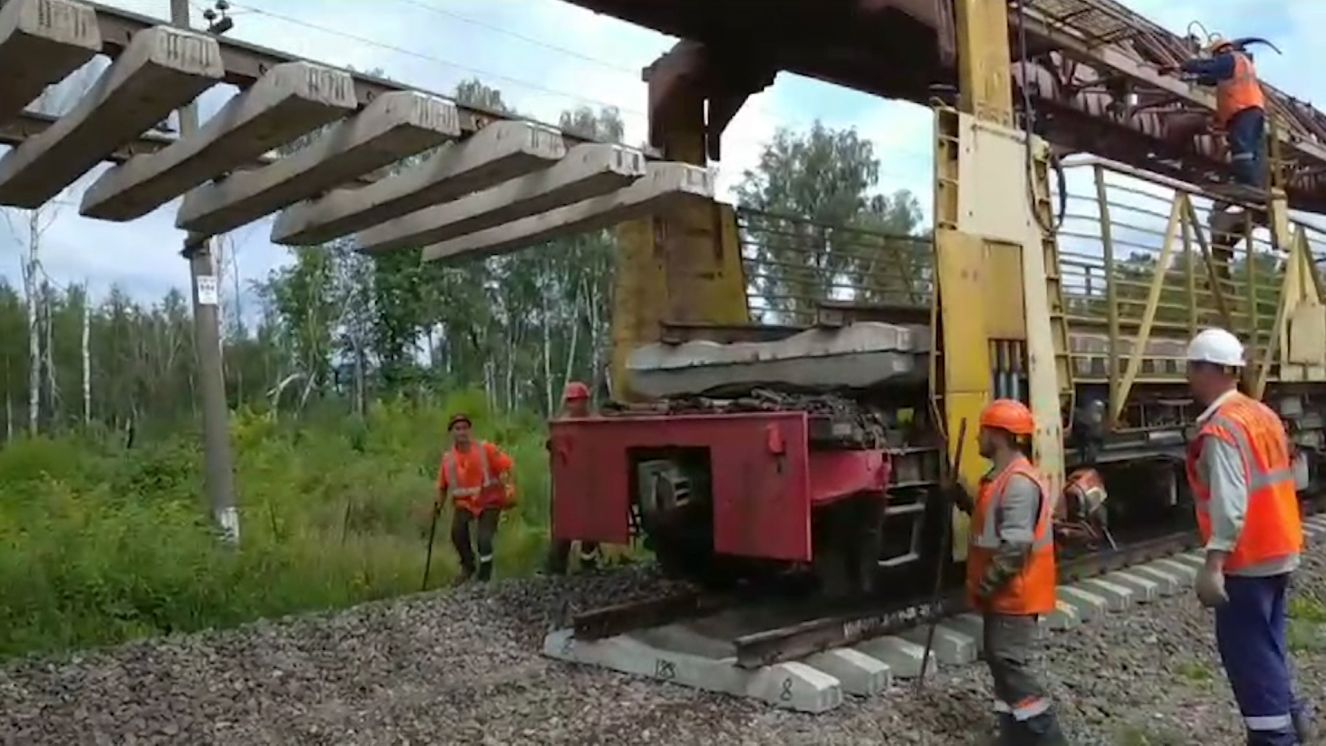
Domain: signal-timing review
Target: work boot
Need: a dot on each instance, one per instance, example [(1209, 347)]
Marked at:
[(1043, 730), (485, 571), (464, 577), (1008, 730)]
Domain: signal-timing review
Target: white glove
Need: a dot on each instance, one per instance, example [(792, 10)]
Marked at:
[(1211, 587)]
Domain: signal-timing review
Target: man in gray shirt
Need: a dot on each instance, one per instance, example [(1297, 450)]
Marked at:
[(1011, 572), (1239, 467)]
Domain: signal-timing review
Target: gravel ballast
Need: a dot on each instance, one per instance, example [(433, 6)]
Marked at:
[(465, 667)]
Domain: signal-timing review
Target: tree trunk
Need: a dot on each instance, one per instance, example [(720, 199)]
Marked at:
[(547, 355), (575, 339), (53, 401), (34, 342), (87, 359)]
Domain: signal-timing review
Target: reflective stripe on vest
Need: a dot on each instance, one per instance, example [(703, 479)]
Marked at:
[(1239, 92), (453, 476), (1272, 527)]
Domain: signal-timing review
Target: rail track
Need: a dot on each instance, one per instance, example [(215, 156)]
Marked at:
[(806, 656)]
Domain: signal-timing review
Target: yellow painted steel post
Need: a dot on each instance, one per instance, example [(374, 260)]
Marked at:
[(991, 194), (1111, 290), (684, 266)]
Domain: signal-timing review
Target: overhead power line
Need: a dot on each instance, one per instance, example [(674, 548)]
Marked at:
[(434, 59), (617, 67)]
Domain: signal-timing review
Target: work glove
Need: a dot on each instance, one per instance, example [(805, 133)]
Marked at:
[(1211, 587)]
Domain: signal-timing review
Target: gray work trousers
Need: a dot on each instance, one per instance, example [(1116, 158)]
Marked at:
[(1022, 702)]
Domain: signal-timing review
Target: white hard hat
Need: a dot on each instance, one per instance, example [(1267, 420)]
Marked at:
[(1216, 346)]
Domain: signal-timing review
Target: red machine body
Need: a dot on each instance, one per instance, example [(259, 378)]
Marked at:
[(764, 480)]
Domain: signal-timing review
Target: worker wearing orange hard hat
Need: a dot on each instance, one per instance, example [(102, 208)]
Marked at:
[(1245, 494), (1011, 572), (1240, 104), (575, 405), (476, 476)]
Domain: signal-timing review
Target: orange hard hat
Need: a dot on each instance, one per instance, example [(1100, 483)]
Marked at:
[(1010, 415), (575, 390)]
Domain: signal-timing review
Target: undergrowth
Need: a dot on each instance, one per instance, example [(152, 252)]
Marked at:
[(99, 544)]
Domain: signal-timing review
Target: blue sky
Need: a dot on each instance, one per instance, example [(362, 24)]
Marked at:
[(548, 56)]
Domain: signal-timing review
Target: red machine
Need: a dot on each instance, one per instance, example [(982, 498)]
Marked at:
[(761, 479)]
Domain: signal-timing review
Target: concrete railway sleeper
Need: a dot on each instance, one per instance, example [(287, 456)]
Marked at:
[(811, 664)]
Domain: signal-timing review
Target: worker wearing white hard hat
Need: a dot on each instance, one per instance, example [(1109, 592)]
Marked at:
[(1247, 512)]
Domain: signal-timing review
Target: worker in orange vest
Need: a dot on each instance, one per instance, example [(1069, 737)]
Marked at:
[(1242, 480), (476, 476), (575, 405), (1011, 572), (1240, 106)]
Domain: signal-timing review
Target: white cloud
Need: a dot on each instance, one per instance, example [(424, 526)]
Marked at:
[(434, 50)]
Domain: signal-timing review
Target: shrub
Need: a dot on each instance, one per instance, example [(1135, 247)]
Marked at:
[(99, 544)]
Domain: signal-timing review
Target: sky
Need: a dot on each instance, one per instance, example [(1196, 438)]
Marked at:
[(548, 56)]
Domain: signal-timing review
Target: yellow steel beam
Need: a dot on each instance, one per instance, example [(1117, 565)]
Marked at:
[(685, 266), (985, 87), (1152, 303)]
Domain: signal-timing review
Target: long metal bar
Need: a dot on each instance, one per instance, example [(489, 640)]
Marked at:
[(1213, 277), (1190, 275), (1149, 316), (1111, 291)]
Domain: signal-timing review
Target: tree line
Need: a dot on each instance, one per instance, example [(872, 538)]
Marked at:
[(335, 326)]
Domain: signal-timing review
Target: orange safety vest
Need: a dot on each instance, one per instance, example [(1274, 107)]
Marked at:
[(1033, 590), (471, 491), (1272, 526), (1242, 91)]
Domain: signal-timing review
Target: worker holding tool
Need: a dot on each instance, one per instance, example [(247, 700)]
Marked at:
[(1240, 104), (575, 405), (1011, 571), (1248, 516), (476, 476)]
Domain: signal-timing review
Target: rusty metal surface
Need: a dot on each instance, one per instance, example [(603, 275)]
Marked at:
[(1086, 57), (804, 638), (614, 620)]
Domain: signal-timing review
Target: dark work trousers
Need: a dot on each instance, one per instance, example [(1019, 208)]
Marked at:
[(460, 538), (1021, 702), (1250, 632), (1244, 132)]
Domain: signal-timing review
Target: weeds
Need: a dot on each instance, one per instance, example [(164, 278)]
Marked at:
[(100, 545)]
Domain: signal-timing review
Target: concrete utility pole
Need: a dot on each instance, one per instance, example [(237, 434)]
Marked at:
[(220, 478)]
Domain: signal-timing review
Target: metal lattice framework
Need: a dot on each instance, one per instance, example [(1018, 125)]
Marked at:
[(489, 183), (1092, 73)]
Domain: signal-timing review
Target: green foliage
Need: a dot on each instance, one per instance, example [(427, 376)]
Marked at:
[(1307, 609), (815, 230), (1195, 672), (99, 544)]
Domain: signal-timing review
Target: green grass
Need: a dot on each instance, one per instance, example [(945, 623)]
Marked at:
[(1196, 672), (99, 545), (1307, 609)]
